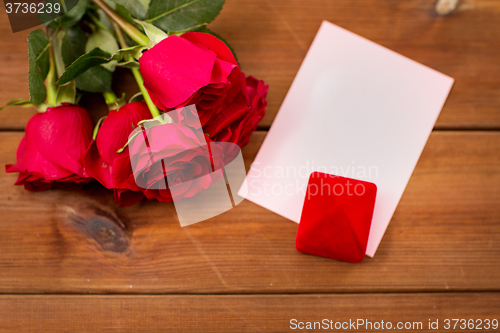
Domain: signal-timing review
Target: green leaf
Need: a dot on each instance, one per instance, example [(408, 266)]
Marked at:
[(104, 40), (97, 126), (69, 19), (137, 8), (40, 43), (104, 19), (124, 13), (23, 103), (111, 4), (133, 51), (95, 79), (154, 34), (178, 15), (129, 64), (56, 43), (26, 103), (38, 55), (73, 45), (93, 58), (74, 16), (145, 4), (180, 32), (97, 57), (66, 93)]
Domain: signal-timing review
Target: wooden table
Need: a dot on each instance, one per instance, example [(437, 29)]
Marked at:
[(240, 272)]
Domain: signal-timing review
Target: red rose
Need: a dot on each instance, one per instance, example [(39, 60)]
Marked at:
[(173, 154), (172, 150), (101, 160), (198, 68), (51, 151), (242, 129)]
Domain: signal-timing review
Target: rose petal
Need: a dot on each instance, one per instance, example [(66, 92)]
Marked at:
[(175, 69), (116, 128)]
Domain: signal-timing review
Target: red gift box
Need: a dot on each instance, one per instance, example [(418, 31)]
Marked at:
[(336, 217)]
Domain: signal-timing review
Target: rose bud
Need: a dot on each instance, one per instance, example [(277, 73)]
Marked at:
[(198, 68), (51, 151)]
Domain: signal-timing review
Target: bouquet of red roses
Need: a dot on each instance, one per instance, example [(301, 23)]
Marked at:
[(176, 62)]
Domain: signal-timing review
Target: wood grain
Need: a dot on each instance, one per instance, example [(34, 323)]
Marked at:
[(233, 314), (442, 246), (445, 235), (271, 38)]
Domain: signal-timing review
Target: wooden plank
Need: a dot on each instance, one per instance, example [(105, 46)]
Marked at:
[(445, 235), (13, 75), (271, 39), (252, 313)]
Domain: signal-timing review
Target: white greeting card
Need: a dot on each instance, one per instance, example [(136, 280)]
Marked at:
[(355, 109)]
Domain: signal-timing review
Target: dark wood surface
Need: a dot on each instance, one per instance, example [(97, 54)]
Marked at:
[(240, 272)]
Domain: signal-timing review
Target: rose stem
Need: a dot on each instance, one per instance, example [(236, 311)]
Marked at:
[(152, 107), (56, 42), (96, 21), (113, 102), (137, 75), (51, 80), (129, 29)]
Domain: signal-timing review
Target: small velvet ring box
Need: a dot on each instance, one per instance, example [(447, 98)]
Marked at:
[(336, 218)]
